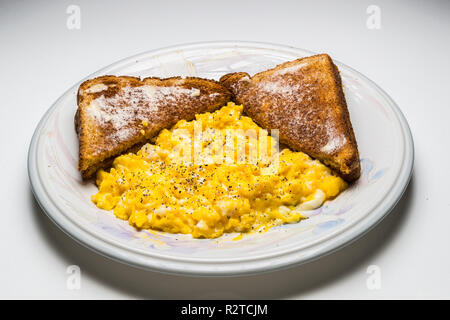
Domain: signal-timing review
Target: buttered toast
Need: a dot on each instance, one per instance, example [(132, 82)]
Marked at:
[(304, 100), (119, 114)]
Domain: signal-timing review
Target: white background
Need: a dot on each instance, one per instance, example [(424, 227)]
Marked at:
[(409, 57)]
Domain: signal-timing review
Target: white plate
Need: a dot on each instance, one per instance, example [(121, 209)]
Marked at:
[(384, 141)]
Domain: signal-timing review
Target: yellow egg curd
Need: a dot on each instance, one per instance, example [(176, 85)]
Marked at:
[(202, 178)]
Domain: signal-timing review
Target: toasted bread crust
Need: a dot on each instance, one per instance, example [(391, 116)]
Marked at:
[(305, 101), (115, 114), (90, 172)]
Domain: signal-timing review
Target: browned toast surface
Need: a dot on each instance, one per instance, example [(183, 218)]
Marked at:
[(305, 101), (119, 114)]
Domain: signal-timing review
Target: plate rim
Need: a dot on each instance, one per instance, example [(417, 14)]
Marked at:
[(171, 266)]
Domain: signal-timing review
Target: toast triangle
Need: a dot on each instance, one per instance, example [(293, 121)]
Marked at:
[(119, 114), (305, 101)]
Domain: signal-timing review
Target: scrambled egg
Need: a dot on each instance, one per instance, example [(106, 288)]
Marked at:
[(177, 187)]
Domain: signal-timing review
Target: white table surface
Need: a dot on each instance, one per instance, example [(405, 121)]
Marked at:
[(408, 57)]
